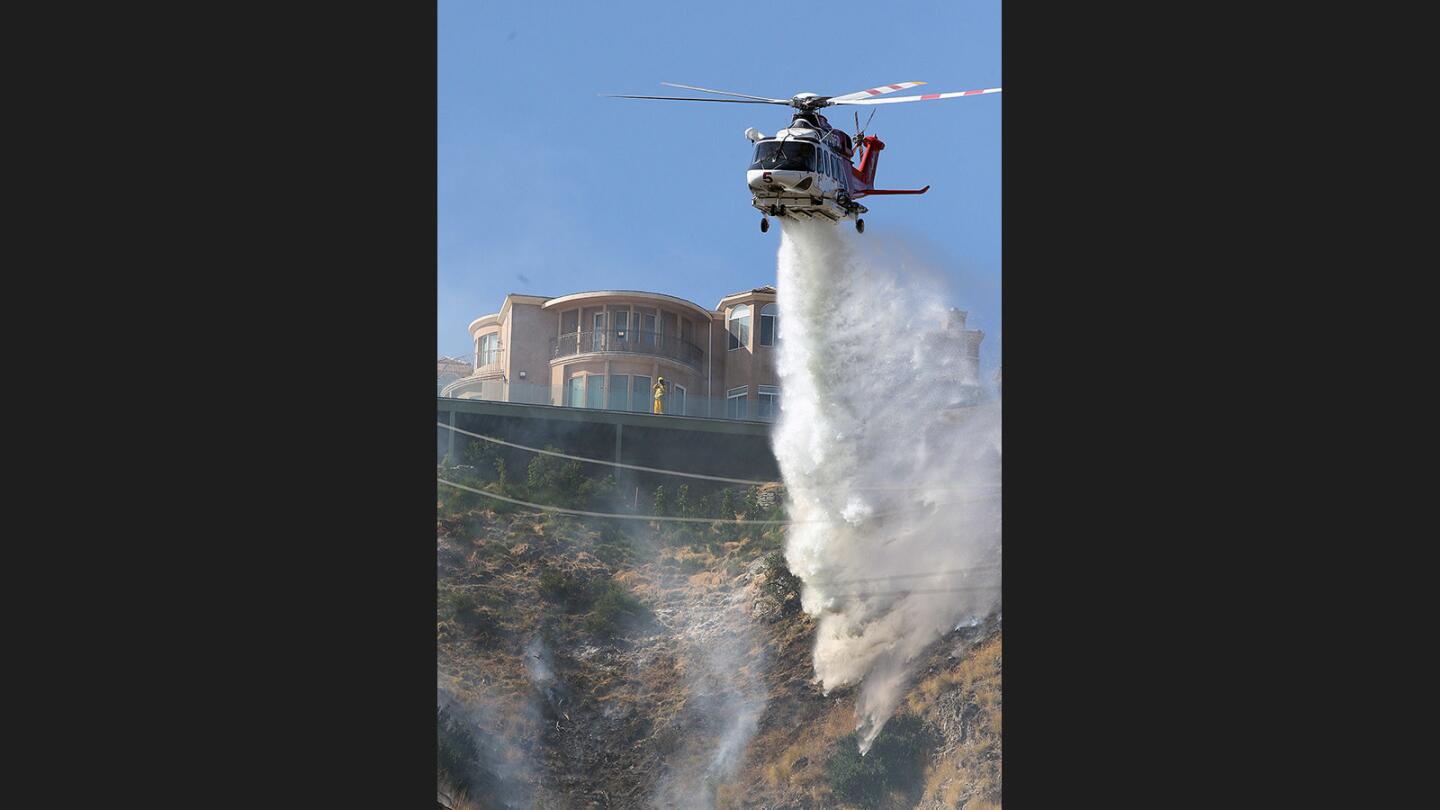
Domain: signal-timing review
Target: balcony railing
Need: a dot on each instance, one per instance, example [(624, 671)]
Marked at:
[(628, 340)]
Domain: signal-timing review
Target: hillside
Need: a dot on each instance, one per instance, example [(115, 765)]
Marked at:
[(626, 664)]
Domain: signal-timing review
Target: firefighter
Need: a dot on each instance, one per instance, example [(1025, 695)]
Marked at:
[(658, 392)]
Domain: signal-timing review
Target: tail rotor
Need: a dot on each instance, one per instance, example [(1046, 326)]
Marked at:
[(859, 130)]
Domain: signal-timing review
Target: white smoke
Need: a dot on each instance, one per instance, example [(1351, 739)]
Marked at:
[(895, 491), (726, 696)]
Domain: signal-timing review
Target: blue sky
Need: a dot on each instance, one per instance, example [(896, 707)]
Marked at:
[(545, 188)]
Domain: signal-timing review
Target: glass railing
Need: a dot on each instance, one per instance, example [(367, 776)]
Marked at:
[(599, 395), (628, 340)]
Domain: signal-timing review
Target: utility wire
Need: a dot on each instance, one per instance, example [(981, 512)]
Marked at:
[(662, 518), (616, 515), (677, 472), (603, 461)]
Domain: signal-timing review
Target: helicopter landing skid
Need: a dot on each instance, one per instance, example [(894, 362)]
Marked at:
[(797, 206)]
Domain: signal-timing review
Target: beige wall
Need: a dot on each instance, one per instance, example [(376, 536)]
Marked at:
[(751, 365), (528, 332)]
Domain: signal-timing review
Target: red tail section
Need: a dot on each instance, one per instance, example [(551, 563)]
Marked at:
[(865, 172)]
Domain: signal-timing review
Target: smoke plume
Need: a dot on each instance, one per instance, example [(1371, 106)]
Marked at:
[(894, 489), (724, 670)]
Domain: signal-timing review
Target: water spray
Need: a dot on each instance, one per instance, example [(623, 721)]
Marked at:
[(871, 379)]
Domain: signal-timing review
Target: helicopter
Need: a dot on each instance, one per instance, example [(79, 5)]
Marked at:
[(807, 169)]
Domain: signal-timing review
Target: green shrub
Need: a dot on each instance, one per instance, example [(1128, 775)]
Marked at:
[(480, 611), (752, 503), (598, 491), (454, 501), (458, 755), (895, 764), (554, 481), (564, 587), (613, 604), (613, 546), (781, 586), (481, 455)]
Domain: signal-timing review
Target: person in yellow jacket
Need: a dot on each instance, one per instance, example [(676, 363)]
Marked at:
[(658, 392)]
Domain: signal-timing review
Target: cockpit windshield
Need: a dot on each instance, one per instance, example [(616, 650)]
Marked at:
[(784, 155)]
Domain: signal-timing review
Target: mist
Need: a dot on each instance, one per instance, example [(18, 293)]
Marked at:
[(723, 663), (892, 484)]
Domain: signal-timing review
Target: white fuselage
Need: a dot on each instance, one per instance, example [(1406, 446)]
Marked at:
[(802, 171)]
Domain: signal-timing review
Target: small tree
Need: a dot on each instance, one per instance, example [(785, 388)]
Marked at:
[(682, 501), (478, 454), (727, 505), (660, 500), (752, 503), (598, 492)]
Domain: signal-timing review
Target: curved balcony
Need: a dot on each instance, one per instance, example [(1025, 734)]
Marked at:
[(631, 341)]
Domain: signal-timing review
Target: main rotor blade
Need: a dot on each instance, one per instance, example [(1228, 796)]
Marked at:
[(875, 91), (716, 100), (926, 97), (726, 93)]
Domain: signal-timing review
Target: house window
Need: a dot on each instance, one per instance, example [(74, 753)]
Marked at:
[(768, 322), (489, 351), (619, 392), (739, 326), (620, 321), (676, 403), (577, 393), (594, 390), (768, 406), (640, 393), (645, 321), (597, 336), (735, 403)]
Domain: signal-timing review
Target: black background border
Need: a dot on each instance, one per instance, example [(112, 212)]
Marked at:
[(312, 224)]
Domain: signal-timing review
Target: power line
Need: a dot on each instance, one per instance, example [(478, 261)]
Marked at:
[(617, 515), (686, 474), (603, 461)]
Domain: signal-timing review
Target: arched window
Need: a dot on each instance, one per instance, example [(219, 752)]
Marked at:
[(768, 321), (489, 350), (739, 326)]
